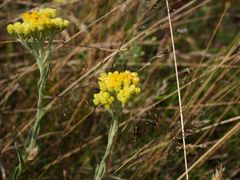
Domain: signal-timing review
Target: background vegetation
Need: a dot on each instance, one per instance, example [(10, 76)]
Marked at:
[(108, 35)]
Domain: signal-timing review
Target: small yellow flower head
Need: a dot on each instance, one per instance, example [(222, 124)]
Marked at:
[(49, 12), (103, 98), (27, 29), (40, 21), (119, 86), (10, 29), (65, 24), (18, 28)]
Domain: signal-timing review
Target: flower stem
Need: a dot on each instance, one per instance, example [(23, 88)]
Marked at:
[(101, 168), (43, 69), (31, 149)]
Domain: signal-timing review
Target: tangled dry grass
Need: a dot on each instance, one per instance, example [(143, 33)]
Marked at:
[(131, 35)]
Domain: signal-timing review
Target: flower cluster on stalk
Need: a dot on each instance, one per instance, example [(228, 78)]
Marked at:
[(114, 86), (36, 28), (37, 22)]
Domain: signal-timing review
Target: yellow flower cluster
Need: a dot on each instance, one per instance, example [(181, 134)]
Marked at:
[(118, 85), (37, 21)]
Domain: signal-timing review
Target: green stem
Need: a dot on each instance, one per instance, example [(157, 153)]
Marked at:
[(30, 150), (35, 46), (43, 69), (101, 168)]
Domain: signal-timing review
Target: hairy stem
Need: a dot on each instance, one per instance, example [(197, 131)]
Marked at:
[(43, 69), (101, 168), (31, 149)]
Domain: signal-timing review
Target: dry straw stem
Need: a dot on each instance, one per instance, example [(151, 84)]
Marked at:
[(217, 124), (178, 90), (213, 149)]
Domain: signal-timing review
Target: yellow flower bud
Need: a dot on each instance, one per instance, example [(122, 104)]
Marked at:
[(107, 106), (135, 80), (127, 81), (123, 101), (10, 29), (26, 29), (18, 28), (51, 12), (65, 24), (134, 74), (111, 99), (58, 22), (137, 90), (96, 101)]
